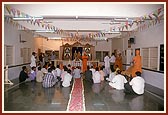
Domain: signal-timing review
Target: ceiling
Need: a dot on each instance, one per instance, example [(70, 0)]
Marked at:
[(82, 18)]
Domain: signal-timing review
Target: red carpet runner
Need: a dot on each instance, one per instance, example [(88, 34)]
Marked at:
[(76, 101)]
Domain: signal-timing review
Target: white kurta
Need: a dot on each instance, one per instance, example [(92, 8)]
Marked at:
[(76, 73), (66, 80), (33, 61), (39, 76), (112, 59), (138, 84), (96, 77), (118, 82), (106, 62), (111, 76)]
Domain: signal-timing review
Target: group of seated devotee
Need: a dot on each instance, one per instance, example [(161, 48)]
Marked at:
[(94, 75), (116, 80), (130, 86), (49, 75)]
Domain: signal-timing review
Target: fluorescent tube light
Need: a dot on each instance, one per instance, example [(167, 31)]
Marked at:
[(27, 18), (54, 38), (45, 31), (112, 32), (100, 38)]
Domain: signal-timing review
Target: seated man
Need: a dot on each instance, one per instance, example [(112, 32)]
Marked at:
[(136, 85), (39, 75), (88, 75), (49, 79), (32, 74), (77, 72), (23, 74), (112, 74), (66, 81), (96, 76), (137, 66), (118, 81)]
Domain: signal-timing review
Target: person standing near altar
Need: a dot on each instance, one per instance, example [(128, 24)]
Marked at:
[(118, 61), (107, 64), (33, 60), (84, 62)]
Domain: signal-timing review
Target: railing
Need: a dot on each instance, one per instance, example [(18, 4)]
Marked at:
[(6, 79), (74, 63)]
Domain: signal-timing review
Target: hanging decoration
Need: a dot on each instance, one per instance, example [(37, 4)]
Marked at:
[(142, 22)]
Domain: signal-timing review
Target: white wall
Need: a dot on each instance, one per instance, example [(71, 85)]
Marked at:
[(102, 45), (117, 43), (150, 37), (11, 37), (154, 36), (154, 78)]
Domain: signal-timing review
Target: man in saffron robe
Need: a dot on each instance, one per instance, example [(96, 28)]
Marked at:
[(84, 62), (118, 61), (137, 65)]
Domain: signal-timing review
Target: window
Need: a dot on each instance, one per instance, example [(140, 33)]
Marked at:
[(100, 55), (8, 59), (162, 57), (26, 54), (150, 58)]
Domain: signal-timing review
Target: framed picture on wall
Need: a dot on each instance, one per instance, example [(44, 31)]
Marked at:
[(67, 50)]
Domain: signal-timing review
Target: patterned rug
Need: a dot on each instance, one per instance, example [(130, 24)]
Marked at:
[(76, 101)]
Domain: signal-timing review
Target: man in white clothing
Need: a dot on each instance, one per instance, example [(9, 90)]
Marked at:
[(112, 75), (107, 64), (67, 79), (58, 70), (33, 60), (136, 85), (112, 60), (118, 81), (93, 70), (39, 75), (96, 76), (77, 72)]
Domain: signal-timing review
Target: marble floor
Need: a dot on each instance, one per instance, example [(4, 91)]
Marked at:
[(31, 96)]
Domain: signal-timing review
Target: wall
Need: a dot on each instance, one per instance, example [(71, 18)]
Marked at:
[(117, 43), (152, 36), (154, 78), (11, 37), (102, 45)]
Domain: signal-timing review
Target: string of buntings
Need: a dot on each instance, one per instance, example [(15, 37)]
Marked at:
[(148, 20), (19, 26), (142, 23)]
